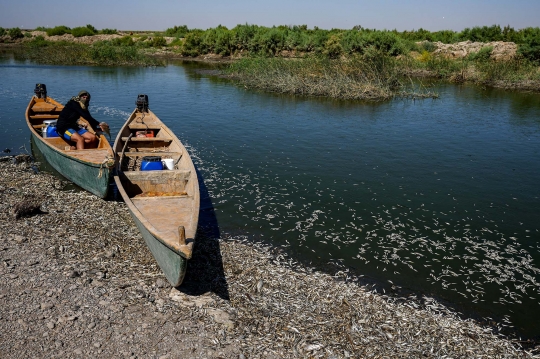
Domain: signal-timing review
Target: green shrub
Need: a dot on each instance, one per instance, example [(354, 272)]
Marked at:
[(82, 31), (484, 54), (2, 31), (530, 48), (15, 33), (158, 41), (428, 46), (482, 34), (297, 39), (58, 31), (123, 41), (38, 41), (272, 41), (91, 28), (177, 42), (333, 48), (354, 41), (217, 41), (425, 56), (177, 31), (109, 31), (192, 43), (242, 36)]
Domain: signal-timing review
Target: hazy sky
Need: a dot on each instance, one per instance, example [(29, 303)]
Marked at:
[(326, 14)]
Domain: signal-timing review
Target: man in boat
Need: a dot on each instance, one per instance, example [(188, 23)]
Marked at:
[(68, 127)]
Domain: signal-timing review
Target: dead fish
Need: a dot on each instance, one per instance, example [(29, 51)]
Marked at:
[(105, 128)]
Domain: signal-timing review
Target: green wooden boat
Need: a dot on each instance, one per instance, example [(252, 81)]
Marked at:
[(164, 203), (89, 169)]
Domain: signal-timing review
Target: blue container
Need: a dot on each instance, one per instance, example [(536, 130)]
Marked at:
[(151, 163), (51, 131)]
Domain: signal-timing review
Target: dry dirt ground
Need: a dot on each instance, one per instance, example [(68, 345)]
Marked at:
[(76, 281)]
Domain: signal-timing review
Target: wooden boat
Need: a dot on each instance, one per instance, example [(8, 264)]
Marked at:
[(89, 169), (163, 203)]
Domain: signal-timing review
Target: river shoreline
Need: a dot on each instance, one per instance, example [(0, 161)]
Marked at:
[(78, 281), (446, 64)]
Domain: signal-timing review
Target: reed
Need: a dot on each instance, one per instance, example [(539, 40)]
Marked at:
[(373, 76), (510, 74), (68, 53), (478, 68)]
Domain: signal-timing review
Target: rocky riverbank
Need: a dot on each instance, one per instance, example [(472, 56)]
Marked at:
[(76, 281)]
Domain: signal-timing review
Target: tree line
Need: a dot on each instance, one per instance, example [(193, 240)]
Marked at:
[(272, 41)]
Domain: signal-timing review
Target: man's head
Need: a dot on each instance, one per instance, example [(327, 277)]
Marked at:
[(84, 97)]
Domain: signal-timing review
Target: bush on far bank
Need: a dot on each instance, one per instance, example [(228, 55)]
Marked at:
[(109, 31), (254, 40), (82, 31), (58, 30), (15, 33)]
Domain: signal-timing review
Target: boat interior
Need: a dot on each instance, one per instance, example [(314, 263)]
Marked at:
[(144, 136), (155, 193), (143, 184), (44, 109)]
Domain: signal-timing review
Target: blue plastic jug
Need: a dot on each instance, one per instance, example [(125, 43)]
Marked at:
[(51, 131), (151, 163)]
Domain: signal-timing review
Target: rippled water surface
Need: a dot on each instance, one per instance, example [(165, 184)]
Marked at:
[(437, 196)]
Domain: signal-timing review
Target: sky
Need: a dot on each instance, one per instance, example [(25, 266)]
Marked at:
[(159, 15)]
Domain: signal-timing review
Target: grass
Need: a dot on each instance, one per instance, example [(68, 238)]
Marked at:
[(371, 77), (68, 53), (479, 69)]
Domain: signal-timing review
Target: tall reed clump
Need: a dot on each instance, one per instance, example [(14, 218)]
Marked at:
[(508, 74), (109, 55), (373, 76), (100, 53)]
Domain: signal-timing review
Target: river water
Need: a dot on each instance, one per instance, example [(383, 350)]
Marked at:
[(439, 197)]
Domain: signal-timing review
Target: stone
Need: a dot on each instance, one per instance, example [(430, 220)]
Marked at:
[(46, 306), (19, 239)]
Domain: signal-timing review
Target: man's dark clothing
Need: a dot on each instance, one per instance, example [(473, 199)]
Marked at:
[(70, 114)]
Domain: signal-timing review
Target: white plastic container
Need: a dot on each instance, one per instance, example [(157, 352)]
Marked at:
[(168, 163)]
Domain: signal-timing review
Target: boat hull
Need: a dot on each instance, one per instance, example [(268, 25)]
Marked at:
[(171, 263), (90, 177), (89, 169), (164, 203)]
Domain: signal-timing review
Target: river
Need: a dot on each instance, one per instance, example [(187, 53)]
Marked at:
[(438, 197)]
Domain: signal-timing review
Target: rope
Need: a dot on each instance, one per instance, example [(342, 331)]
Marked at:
[(109, 162), (122, 154)]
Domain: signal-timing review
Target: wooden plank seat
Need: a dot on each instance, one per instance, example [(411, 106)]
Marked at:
[(46, 116), (148, 139), (140, 126), (148, 153), (44, 107)]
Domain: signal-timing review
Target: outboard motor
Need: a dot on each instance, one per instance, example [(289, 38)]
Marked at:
[(142, 103), (40, 91)]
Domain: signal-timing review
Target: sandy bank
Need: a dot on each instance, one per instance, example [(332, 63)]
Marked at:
[(77, 281)]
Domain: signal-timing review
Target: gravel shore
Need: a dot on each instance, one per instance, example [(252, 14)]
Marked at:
[(77, 281)]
